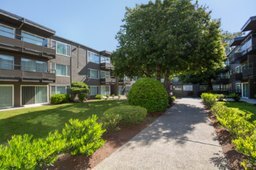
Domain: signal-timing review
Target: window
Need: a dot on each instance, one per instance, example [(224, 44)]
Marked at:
[(6, 62), (62, 70), (33, 39), (93, 74), (7, 31), (93, 57), (104, 59), (187, 87), (93, 90), (34, 94), (105, 90), (238, 69), (216, 87), (33, 65), (6, 97), (63, 49), (104, 74), (58, 90), (238, 87)]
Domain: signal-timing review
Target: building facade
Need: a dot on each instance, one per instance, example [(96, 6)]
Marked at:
[(35, 64)]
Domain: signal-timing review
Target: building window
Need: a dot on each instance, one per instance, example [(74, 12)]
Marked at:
[(34, 94), (93, 57), (238, 87), (62, 70), (93, 90), (93, 74), (33, 65), (33, 39), (104, 59), (6, 97), (216, 87), (58, 90), (6, 62), (187, 87), (105, 90), (7, 31), (104, 74), (63, 49)]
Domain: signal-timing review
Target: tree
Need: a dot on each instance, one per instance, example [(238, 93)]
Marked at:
[(79, 88), (163, 38)]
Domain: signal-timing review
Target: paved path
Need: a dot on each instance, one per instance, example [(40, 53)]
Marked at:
[(180, 139)]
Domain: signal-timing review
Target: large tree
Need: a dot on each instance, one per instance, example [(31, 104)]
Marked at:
[(163, 38)]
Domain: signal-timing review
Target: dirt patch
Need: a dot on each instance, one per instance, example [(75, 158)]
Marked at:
[(233, 157), (114, 140)]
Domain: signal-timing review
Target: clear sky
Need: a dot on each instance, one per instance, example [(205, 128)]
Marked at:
[(95, 23)]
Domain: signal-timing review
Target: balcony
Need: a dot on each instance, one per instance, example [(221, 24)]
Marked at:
[(222, 79), (237, 76), (124, 81), (106, 66), (17, 45), (108, 80), (19, 75)]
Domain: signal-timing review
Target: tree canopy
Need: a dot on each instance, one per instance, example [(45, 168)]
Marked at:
[(168, 37)]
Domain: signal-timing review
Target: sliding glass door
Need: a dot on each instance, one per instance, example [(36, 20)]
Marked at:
[(6, 96), (34, 94)]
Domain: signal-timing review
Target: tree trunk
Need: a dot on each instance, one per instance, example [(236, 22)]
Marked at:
[(158, 72), (209, 88), (167, 81)]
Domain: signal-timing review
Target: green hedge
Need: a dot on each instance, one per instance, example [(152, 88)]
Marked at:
[(243, 131), (78, 137), (124, 115), (209, 99), (59, 98), (150, 94)]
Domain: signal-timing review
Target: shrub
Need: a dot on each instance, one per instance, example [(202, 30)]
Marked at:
[(81, 97), (236, 97), (59, 98), (220, 97), (148, 93), (78, 88), (171, 99), (83, 137), (99, 96), (209, 99), (128, 114), (110, 121)]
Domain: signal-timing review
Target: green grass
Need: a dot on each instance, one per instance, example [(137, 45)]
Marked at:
[(243, 106), (39, 121)]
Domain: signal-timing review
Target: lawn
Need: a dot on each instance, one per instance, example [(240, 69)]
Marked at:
[(39, 121), (246, 107)]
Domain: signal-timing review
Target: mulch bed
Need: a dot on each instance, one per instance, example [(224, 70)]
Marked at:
[(114, 140), (233, 157)]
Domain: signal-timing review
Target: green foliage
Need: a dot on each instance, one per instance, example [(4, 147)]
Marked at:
[(110, 121), (150, 94), (99, 96), (83, 137), (171, 99), (209, 99), (238, 123), (59, 98), (81, 97), (79, 87), (235, 96), (127, 114)]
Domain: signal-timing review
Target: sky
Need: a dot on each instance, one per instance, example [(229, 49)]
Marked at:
[(95, 23)]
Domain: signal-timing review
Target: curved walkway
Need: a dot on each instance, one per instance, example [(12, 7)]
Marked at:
[(182, 138)]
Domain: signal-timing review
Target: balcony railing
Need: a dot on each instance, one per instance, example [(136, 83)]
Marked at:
[(106, 66), (108, 80), (20, 73), (14, 42)]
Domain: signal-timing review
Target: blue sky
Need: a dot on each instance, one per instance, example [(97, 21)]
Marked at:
[(95, 22)]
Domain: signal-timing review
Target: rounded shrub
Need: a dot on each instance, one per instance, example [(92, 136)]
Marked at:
[(99, 96), (59, 98), (150, 94), (125, 115)]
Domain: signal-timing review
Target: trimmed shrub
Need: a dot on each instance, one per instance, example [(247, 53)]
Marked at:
[(59, 98), (83, 137), (209, 99), (150, 94), (128, 114), (99, 96), (110, 121), (81, 97)]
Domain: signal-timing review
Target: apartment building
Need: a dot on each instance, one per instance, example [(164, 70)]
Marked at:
[(240, 75), (36, 63)]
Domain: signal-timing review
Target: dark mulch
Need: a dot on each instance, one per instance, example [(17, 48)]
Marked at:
[(233, 157), (114, 140)]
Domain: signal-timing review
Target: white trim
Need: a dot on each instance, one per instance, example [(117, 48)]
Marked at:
[(63, 44), (12, 92), (47, 88)]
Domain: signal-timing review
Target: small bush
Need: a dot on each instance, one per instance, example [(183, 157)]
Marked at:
[(99, 96), (128, 114), (110, 121), (171, 99), (59, 98), (83, 137), (236, 97), (150, 94), (220, 97), (209, 99), (81, 97)]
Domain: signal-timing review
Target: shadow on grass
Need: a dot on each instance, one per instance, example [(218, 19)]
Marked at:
[(40, 122)]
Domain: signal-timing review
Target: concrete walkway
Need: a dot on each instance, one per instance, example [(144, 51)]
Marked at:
[(180, 139)]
